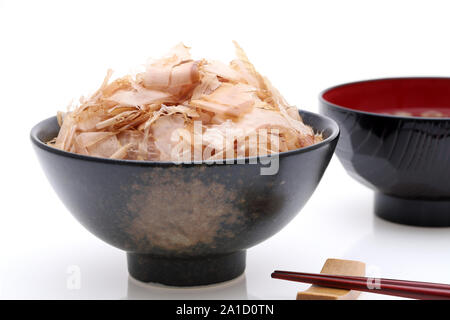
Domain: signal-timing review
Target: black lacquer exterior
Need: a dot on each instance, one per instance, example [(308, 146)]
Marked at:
[(406, 160), (184, 224)]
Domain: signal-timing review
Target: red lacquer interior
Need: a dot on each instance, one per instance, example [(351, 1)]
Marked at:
[(414, 96)]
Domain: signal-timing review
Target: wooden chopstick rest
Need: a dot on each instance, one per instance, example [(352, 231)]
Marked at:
[(335, 267)]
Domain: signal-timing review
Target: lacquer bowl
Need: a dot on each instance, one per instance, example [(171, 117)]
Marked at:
[(185, 224), (392, 142)]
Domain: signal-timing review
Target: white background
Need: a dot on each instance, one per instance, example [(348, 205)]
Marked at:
[(51, 52)]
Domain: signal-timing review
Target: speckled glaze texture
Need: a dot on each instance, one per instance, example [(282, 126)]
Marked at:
[(406, 160), (185, 224)]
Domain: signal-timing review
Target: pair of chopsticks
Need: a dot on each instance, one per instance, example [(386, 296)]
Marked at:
[(399, 288)]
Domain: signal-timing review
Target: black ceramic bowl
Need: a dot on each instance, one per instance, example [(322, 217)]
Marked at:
[(404, 158), (185, 224)]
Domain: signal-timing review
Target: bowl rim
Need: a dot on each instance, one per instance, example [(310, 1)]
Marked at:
[(324, 101), (335, 131)]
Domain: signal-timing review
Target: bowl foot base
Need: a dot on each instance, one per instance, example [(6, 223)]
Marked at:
[(414, 212), (188, 271)]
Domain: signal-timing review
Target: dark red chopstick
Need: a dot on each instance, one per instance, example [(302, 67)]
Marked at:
[(400, 288), (385, 281)]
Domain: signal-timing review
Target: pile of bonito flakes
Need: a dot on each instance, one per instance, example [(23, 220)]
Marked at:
[(180, 109)]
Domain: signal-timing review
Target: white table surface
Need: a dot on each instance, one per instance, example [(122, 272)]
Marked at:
[(40, 244)]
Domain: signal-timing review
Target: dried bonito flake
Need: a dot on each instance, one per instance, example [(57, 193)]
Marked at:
[(180, 109)]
